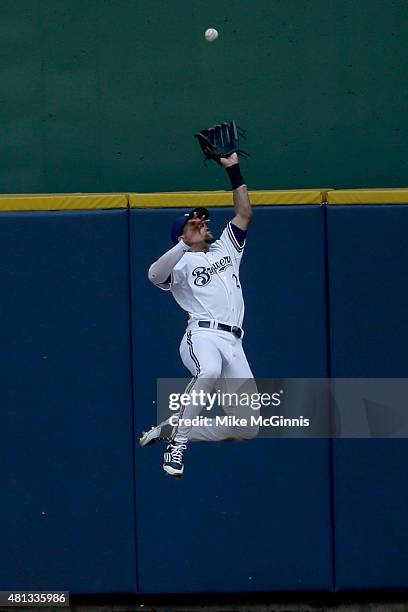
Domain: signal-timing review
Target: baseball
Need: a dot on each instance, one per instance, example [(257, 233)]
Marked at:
[(211, 34)]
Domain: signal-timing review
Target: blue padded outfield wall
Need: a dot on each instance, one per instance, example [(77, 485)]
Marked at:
[(67, 493), (368, 263), (84, 336), (248, 507)]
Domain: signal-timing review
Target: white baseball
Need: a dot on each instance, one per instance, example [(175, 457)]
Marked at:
[(211, 34)]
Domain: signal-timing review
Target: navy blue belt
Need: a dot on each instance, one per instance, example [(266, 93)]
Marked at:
[(233, 329)]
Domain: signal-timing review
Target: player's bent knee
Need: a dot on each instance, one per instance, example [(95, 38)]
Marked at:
[(249, 432)]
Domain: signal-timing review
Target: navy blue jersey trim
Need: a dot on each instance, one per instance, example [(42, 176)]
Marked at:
[(237, 236)]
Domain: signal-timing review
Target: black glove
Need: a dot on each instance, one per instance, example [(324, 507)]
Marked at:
[(220, 141)]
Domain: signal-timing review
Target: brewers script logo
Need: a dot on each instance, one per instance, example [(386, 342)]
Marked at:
[(203, 275)]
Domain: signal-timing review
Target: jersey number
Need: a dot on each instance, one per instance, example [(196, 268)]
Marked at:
[(236, 281)]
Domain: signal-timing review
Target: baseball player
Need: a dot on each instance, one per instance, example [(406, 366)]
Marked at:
[(203, 275)]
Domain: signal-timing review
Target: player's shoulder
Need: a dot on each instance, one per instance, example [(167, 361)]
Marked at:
[(218, 247), (233, 236)]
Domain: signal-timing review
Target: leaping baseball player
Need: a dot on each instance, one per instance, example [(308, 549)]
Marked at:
[(203, 275)]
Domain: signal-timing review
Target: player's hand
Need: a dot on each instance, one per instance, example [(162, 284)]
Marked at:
[(230, 160), (195, 230)]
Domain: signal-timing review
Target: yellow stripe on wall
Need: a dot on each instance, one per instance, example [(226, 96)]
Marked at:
[(100, 201), (368, 196), (224, 198), (74, 201)]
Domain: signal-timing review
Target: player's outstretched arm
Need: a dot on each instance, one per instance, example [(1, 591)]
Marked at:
[(160, 270), (242, 204)]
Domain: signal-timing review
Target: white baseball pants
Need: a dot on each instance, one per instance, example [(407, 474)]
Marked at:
[(217, 361)]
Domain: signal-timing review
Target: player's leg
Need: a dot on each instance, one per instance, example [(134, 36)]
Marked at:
[(235, 380), (201, 355), (239, 383)]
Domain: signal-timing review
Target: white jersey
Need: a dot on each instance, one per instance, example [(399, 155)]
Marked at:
[(207, 285)]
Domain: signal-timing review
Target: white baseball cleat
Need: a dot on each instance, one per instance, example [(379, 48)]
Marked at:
[(159, 433)]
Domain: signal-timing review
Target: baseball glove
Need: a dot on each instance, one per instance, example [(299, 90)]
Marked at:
[(220, 141)]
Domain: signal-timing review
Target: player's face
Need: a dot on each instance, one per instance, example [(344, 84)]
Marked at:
[(208, 235)]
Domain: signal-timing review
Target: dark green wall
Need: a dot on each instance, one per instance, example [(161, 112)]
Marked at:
[(105, 95)]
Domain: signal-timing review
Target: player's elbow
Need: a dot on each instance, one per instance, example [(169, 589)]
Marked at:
[(152, 276)]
